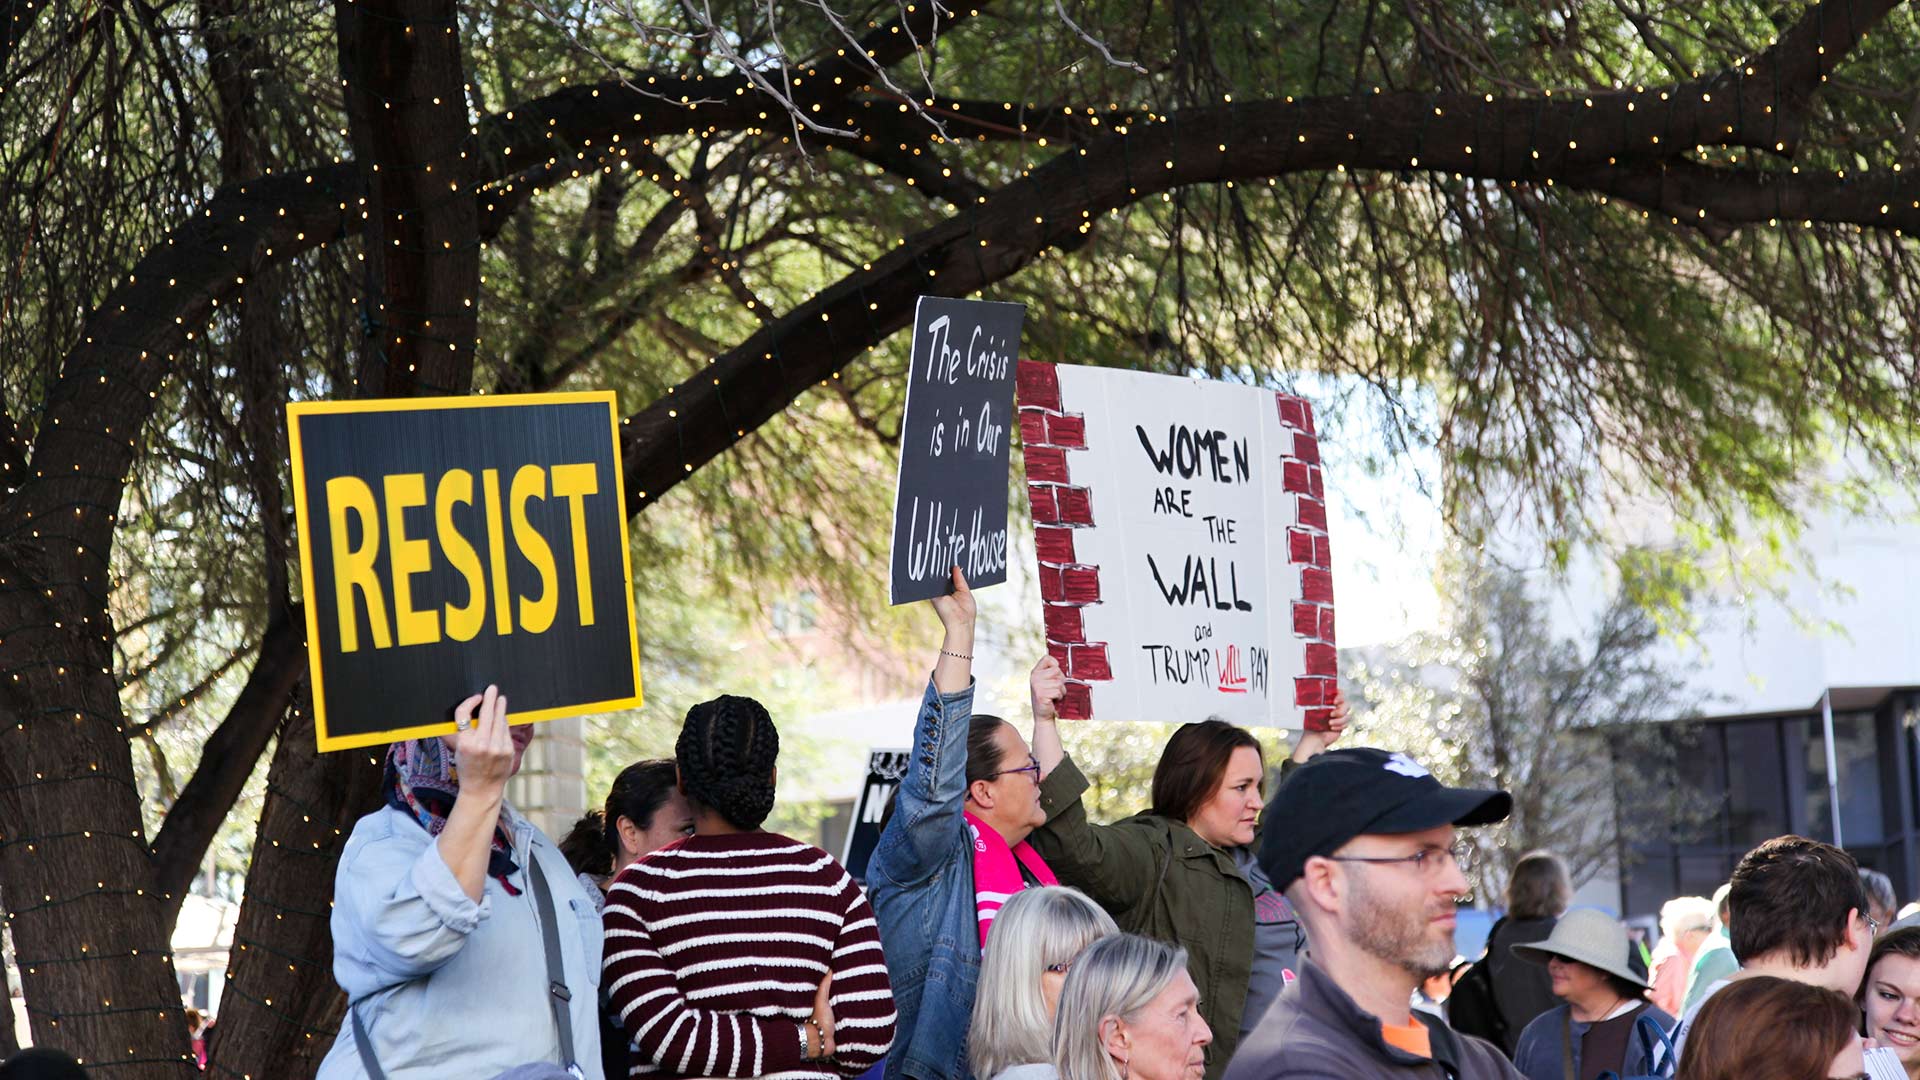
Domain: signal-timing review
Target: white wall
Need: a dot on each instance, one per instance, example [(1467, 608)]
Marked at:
[(1844, 611)]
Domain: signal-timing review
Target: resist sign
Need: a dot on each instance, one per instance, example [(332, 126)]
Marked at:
[(448, 543), (950, 508), (1181, 528)]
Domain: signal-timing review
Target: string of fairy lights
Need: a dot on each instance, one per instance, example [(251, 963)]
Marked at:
[(142, 360)]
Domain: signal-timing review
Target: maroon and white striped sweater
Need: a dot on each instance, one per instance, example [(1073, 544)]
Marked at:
[(716, 945)]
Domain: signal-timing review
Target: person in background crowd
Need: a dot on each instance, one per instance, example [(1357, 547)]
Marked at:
[(1178, 871), (1799, 913), (1766, 1028), (1639, 957), (644, 813), (1685, 922), (197, 1033), (1715, 959), (1130, 1011), (1037, 937), (1891, 996), (1432, 996), (1538, 890), (1597, 1031), (41, 1063), (438, 905), (1882, 904), (951, 851), (737, 951), (1371, 863)]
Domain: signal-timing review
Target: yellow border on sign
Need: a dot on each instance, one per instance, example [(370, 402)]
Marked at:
[(298, 409)]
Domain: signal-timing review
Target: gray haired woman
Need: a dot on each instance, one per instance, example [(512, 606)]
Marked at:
[(1129, 1011), (1036, 938)]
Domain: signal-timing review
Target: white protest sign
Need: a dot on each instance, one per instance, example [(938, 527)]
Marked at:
[(1182, 537)]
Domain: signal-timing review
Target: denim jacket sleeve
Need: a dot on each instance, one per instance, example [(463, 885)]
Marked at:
[(400, 903), (1117, 866), (932, 795)]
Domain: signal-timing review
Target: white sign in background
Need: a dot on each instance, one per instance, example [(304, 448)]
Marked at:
[(1187, 552)]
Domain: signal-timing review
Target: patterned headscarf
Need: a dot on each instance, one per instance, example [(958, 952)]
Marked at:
[(422, 782)]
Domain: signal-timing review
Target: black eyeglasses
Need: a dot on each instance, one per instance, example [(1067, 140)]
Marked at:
[(1429, 860), (1032, 766)]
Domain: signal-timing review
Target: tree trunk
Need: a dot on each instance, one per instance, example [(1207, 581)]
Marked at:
[(406, 108), (281, 1007), (91, 932), (399, 58), (9, 1041)]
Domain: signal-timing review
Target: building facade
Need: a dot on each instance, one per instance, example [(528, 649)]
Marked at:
[(1757, 776)]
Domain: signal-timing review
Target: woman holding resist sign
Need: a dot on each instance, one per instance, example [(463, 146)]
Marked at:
[(453, 916), (1183, 870)]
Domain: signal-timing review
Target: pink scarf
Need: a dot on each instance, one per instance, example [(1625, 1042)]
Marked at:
[(996, 876)]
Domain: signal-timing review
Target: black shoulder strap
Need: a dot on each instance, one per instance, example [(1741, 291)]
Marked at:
[(558, 996), (361, 1043)]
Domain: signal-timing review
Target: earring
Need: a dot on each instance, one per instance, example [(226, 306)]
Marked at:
[(1124, 1063)]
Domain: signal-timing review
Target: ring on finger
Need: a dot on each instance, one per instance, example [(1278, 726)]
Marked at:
[(462, 723)]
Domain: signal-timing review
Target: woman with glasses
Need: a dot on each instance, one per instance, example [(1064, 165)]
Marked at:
[(1183, 871), (1036, 939), (953, 848)]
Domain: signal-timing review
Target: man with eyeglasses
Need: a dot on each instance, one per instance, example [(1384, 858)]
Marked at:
[(1362, 842), (1798, 911)]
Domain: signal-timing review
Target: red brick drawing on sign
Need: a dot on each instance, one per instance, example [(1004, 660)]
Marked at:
[(1308, 549), (1049, 433)]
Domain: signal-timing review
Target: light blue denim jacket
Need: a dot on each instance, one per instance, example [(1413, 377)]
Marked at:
[(921, 882), (445, 986)]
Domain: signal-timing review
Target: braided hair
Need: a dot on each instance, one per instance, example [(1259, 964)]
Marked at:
[(726, 756)]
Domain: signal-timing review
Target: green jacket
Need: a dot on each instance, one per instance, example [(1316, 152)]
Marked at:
[(1158, 878)]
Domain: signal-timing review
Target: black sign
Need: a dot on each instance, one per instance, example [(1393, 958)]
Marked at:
[(448, 543), (884, 770), (950, 508)]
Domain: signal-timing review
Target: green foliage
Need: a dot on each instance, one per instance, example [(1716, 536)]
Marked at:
[(1572, 727), (1554, 346)]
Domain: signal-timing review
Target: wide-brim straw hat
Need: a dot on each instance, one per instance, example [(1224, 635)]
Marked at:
[(1589, 937)]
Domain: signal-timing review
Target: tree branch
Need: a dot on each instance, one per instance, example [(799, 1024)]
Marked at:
[(229, 757), (1056, 205)]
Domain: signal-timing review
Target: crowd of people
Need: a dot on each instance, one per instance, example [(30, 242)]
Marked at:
[(1227, 930)]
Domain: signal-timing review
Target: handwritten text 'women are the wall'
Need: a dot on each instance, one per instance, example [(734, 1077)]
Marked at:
[(1206, 581)]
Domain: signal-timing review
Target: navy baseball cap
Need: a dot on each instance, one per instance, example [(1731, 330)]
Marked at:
[(1342, 794)]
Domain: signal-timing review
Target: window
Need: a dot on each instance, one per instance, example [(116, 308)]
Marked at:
[(1756, 805), (1854, 750)]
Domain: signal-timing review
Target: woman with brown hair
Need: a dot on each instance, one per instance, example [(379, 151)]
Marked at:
[(1538, 891), (1764, 1028), (1182, 871), (1891, 997)]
